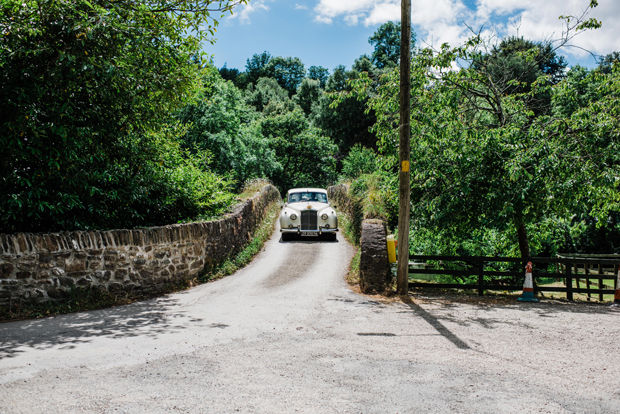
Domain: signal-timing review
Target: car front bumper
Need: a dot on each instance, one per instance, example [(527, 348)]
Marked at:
[(298, 230)]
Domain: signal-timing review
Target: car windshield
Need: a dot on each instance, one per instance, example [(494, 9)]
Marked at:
[(307, 196)]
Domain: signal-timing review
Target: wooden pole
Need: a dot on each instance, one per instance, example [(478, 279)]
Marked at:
[(404, 177)]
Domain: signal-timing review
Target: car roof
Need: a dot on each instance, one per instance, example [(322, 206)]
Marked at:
[(307, 190)]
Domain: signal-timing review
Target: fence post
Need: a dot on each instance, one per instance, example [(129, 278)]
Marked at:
[(617, 290), (601, 284), (569, 283), (586, 269), (481, 278), (577, 277)]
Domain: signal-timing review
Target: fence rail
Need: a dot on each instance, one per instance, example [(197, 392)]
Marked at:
[(475, 268)]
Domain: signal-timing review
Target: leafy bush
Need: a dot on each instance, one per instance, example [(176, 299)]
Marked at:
[(221, 122), (369, 189), (87, 89), (162, 184), (360, 160), (307, 157)]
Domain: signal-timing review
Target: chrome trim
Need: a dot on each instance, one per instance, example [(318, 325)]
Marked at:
[(309, 220)]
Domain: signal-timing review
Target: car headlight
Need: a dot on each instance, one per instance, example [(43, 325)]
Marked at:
[(324, 216), (293, 216)]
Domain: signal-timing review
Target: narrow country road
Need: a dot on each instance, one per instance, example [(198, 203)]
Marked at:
[(287, 335)]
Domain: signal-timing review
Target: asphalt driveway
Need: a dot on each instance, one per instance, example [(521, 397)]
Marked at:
[(286, 334)]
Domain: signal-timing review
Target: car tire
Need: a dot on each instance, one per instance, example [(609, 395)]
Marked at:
[(331, 237), (287, 236)]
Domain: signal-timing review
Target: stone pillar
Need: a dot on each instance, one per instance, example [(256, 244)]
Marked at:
[(375, 275)]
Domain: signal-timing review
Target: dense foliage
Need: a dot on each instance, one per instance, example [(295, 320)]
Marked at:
[(87, 92), (509, 153), (222, 123), (109, 118)]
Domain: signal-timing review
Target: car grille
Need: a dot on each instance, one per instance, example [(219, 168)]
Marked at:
[(309, 220)]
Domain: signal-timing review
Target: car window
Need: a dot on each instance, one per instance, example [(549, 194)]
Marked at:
[(307, 197), (320, 197)]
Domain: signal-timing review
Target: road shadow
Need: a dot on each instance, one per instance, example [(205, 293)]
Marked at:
[(435, 323), (544, 309), (314, 240), (149, 318)]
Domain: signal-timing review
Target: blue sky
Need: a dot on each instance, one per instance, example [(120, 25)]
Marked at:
[(332, 32), (284, 30)]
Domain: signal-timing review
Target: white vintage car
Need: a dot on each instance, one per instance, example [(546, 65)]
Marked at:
[(308, 213)]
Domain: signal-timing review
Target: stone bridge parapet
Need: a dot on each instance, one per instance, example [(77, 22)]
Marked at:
[(40, 267)]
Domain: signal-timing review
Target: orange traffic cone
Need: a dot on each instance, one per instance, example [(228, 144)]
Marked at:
[(528, 286)]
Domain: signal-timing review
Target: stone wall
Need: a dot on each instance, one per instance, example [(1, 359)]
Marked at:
[(351, 206), (40, 267), (375, 273), (339, 195)]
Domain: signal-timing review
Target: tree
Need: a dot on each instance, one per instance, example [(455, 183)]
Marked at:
[(308, 95), (307, 157), (255, 67), (482, 157), (83, 85), (349, 122), (224, 125), (338, 80), (606, 63), (318, 73), (578, 89), (364, 64), (288, 72), (359, 161), (516, 63), (268, 97), (229, 74), (386, 41)]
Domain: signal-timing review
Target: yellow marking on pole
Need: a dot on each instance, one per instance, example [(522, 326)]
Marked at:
[(405, 166)]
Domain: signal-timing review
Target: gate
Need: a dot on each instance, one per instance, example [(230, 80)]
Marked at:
[(508, 273)]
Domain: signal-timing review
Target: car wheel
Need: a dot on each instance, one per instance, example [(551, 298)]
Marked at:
[(287, 236), (331, 237)]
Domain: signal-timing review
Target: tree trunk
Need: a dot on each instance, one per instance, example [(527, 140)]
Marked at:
[(524, 246)]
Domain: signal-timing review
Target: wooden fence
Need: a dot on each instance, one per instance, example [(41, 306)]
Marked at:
[(480, 273)]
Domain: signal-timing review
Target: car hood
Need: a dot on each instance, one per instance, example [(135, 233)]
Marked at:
[(299, 207)]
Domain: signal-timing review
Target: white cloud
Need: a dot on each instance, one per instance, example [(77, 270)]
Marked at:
[(327, 10), (442, 21), (301, 7), (243, 12), (539, 21), (439, 20)]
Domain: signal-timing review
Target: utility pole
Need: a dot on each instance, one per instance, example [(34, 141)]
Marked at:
[(404, 175)]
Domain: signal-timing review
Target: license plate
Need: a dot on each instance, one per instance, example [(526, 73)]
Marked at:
[(309, 233)]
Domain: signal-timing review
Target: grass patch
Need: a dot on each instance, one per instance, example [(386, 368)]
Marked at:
[(348, 228), (82, 299), (251, 187), (353, 273), (349, 232), (261, 235)]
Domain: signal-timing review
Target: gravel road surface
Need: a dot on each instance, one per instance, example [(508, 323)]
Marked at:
[(286, 335)]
